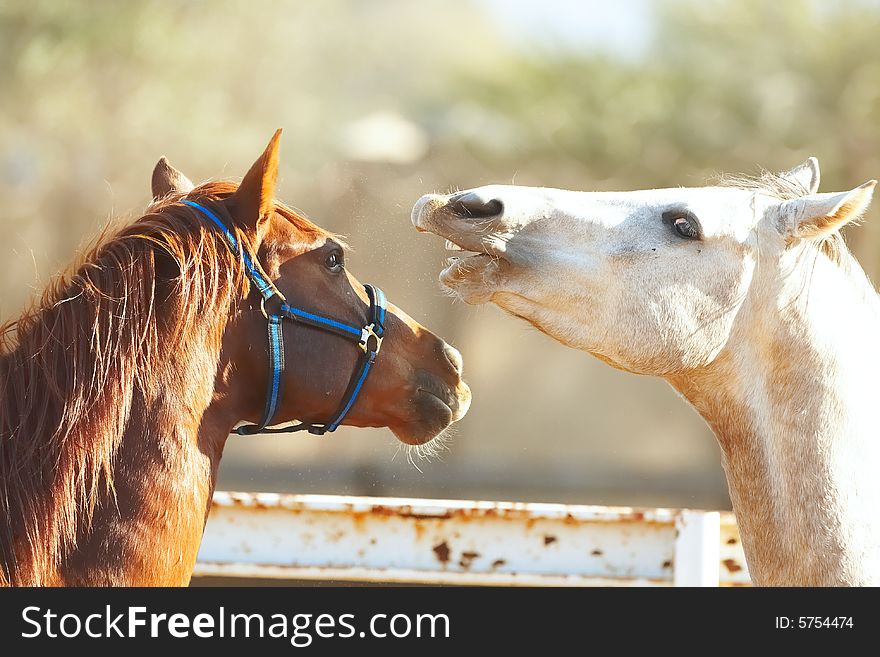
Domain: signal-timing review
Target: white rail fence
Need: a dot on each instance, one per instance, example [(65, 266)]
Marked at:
[(364, 539)]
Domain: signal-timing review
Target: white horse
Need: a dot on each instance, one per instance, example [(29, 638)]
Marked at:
[(744, 298)]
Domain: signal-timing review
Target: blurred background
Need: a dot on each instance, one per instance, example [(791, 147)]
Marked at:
[(384, 101)]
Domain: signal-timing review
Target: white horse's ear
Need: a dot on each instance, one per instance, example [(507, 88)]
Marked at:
[(168, 180), (806, 175), (820, 215)]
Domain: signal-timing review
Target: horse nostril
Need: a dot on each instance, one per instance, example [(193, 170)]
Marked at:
[(473, 204), (454, 358)]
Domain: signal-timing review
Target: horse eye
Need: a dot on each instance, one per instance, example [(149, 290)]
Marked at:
[(334, 262), (685, 228)]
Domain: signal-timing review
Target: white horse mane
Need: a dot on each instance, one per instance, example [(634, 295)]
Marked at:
[(786, 188)]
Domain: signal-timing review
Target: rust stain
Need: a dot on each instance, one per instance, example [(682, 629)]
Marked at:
[(467, 558), (596, 552), (632, 516), (442, 552), (498, 563), (460, 514), (378, 511), (549, 539), (731, 565), (429, 516), (406, 511), (358, 518), (251, 502), (666, 564), (731, 541)]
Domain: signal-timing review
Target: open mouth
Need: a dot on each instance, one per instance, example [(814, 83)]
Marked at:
[(476, 248), (463, 256)]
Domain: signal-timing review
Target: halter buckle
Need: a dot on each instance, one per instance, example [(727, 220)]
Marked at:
[(366, 333), (275, 293)]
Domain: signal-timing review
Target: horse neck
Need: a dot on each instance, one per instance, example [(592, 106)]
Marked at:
[(146, 523), (173, 448), (790, 401)]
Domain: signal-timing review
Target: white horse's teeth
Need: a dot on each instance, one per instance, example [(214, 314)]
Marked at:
[(452, 246)]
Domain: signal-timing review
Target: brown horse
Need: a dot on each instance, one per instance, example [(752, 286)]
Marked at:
[(119, 388)]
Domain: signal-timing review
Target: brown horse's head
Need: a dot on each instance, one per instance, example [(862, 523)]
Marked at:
[(414, 388)]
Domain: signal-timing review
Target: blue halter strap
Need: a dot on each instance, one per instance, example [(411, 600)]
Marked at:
[(368, 338)]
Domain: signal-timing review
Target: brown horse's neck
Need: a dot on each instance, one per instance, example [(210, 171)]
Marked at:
[(789, 403), (108, 449), (148, 530)]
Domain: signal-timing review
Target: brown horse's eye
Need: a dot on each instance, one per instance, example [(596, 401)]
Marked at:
[(335, 262)]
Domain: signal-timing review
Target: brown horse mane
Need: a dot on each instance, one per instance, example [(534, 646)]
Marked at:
[(103, 342)]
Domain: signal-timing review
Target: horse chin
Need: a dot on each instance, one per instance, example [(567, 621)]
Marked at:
[(433, 416), (467, 278), (423, 431), (412, 434)]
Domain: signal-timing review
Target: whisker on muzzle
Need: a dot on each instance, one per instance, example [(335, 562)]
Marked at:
[(432, 449)]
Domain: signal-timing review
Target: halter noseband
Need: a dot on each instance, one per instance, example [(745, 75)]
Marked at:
[(368, 338)]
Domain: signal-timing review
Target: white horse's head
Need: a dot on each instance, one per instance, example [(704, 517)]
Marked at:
[(649, 281)]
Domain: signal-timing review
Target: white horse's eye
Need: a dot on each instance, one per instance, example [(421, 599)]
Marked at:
[(684, 223), (684, 228)]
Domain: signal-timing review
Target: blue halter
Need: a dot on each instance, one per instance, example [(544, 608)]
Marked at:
[(368, 338)]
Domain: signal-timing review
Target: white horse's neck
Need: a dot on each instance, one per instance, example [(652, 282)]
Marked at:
[(792, 402)]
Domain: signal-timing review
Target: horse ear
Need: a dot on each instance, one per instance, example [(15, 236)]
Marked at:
[(254, 200), (820, 215), (806, 175), (168, 180)]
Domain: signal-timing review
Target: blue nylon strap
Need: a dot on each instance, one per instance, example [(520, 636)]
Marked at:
[(267, 290), (276, 339), (367, 363), (377, 319), (276, 353), (296, 313), (380, 304), (276, 382)]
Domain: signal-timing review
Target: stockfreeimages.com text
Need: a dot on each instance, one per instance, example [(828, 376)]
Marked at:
[(300, 629)]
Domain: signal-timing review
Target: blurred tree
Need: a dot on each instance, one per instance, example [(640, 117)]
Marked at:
[(725, 86)]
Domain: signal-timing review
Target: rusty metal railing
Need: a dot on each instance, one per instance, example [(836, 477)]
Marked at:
[(333, 538)]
